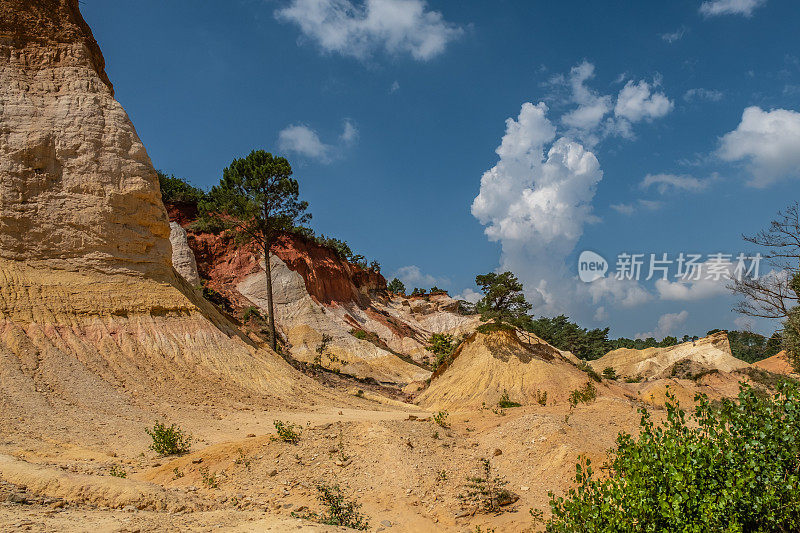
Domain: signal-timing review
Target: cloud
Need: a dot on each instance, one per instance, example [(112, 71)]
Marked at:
[(639, 101), (395, 87), (302, 140), (629, 209), (536, 201), (349, 134), (664, 182), (592, 107), (676, 35), (667, 325), (711, 95), (600, 314), (713, 8), (708, 280), (767, 142), (412, 277), (360, 30), (623, 292), (469, 295)]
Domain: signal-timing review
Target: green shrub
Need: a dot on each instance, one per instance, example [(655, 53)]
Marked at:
[(210, 481), (118, 471), (286, 432), (506, 402), (174, 190), (735, 468), (339, 511), (251, 312), (440, 419), (586, 394), (359, 334), (486, 491), (169, 440), (541, 397), (609, 373), (590, 371)]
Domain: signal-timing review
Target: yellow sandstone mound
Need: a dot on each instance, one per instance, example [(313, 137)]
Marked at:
[(709, 353), (487, 365)]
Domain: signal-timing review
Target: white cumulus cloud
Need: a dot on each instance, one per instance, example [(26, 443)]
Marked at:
[(714, 8), (667, 325), (639, 101), (360, 29), (536, 201), (768, 142), (699, 93), (592, 107)]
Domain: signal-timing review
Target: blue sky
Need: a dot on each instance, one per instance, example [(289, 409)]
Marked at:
[(392, 111)]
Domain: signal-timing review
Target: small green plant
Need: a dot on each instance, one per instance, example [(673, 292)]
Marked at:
[(210, 481), (590, 372), (169, 440), (440, 419), (286, 432), (506, 402), (609, 373), (541, 397), (242, 459), (117, 471), (441, 476), (633, 379), (176, 473), (360, 393), (586, 394), (435, 435), (339, 510), (499, 411), (486, 491), (359, 334)]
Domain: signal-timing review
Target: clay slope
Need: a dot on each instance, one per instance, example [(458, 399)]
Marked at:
[(370, 332), (709, 353), (778, 364), (94, 322), (485, 366)]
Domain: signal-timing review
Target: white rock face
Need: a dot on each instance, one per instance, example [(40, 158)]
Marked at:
[(77, 189), (182, 256)]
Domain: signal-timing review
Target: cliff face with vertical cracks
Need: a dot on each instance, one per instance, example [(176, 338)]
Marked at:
[(93, 318)]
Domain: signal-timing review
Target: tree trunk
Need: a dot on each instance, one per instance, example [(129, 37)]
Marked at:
[(273, 341)]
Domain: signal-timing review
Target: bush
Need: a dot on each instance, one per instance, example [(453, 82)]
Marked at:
[(735, 468), (586, 394), (487, 491), (609, 373), (440, 419), (210, 481), (541, 397), (174, 190), (590, 372), (506, 402), (359, 334), (339, 511), (286, 432), (169, 440), (118, 471)]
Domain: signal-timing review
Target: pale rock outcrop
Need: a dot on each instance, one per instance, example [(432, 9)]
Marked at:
[(182, 256), (78, 190), (95, 324), (711, 353)]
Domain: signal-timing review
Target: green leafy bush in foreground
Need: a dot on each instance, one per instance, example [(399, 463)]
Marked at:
[(733, 468), (169, 440), (339, 510)]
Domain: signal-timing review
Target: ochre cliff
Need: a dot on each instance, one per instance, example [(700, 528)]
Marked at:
[(78, 190)]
